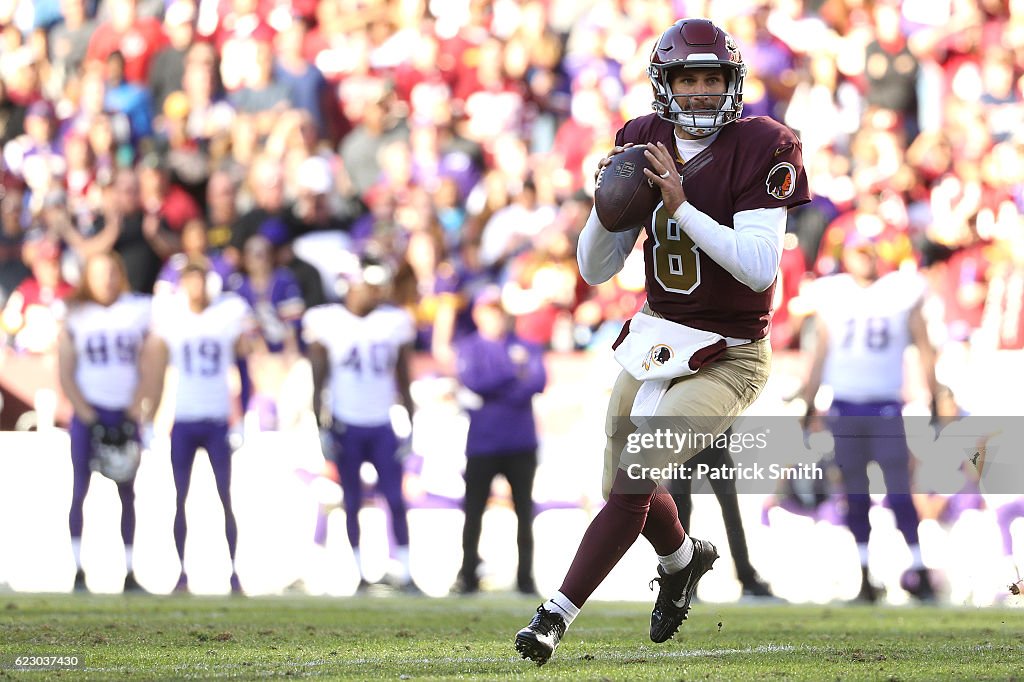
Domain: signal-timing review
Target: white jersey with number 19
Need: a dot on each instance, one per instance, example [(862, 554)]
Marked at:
[(202, 350)]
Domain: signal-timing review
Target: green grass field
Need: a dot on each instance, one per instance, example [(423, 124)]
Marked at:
[(165, 638)]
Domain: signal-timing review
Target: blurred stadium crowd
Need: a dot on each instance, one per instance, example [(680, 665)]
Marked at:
[(458, 140)]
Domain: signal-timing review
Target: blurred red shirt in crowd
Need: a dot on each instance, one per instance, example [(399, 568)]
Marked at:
[(137, 39)]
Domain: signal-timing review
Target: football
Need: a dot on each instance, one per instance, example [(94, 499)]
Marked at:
[(623, 196)]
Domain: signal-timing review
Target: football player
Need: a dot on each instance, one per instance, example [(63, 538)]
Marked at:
[(100, 368), (864, 323), (201, 338), (712, 254), (359, 350)]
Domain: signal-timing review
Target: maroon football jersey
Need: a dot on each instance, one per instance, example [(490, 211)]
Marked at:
[(753, 163)]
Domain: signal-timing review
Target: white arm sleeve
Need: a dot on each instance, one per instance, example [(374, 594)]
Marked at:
[(601, 253), (751, 252)]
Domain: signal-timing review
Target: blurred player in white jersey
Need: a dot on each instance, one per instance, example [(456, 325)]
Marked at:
[(864, 323), (361, 348), (99, 349), (200, 338)]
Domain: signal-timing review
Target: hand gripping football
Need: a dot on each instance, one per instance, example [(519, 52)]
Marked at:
[(623, 197)]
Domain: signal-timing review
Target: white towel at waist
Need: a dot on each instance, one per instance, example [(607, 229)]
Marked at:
[(656, 351)]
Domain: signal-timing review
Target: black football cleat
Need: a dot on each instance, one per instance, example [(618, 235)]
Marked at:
[(919, 584), (677, 589), (754, 586), (181, 587), (869, 594), (527, 588), (131, 585), (464, 587), (538, 640), (80, 585)]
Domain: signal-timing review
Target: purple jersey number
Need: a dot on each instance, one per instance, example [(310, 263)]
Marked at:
[(201, 357), (877, 333), (97, 349), (380, 361)]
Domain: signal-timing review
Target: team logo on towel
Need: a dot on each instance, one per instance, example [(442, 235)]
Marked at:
[(658, 354)]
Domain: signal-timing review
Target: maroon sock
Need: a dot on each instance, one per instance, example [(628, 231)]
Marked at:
[(662, 528), (611, 533)]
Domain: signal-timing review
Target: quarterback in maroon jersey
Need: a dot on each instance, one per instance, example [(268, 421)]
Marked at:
[(698, 352)]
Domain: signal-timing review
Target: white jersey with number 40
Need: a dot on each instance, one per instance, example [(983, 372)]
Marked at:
[(202, 349), (107, 343), (868, 333), (362, 352)]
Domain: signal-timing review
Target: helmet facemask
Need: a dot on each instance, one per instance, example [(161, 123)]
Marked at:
[(699, 121)]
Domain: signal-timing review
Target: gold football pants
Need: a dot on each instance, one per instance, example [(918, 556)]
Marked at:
[(704, 404)]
